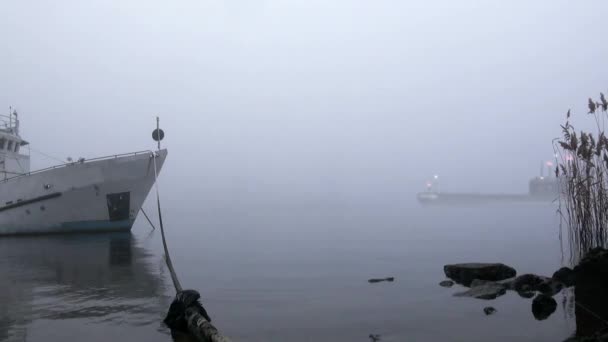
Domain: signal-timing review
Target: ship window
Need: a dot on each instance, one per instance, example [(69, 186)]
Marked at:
[(10, 145), (2, 143)]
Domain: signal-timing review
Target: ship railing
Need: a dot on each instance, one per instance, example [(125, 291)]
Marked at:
[(77, 162), (8, 122)]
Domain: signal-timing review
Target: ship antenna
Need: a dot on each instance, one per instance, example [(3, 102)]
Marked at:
[(158, 133), (158, 128)]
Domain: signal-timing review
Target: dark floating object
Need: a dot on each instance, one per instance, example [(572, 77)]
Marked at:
[(488, 310), (465, 273), (374, 337), (379, 280), (176, 317), (543, 306), (446, 283)]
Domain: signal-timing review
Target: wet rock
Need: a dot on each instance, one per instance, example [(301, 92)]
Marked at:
[(527, 283), (597, 337), (379, 280), (590, 293), (565, 276), (484, 291), (550, 287), (446, 283), (543, 306), (479, 282), (488, 310), (595, 262), (526, 294), (465, 273)]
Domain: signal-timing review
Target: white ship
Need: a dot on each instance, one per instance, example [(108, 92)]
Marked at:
[(94, 195)]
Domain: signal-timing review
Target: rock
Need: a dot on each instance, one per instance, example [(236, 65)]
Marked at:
[(465, 273), (446, 283), (485, 291), (479, 282), (526, 294), (378, 280), (566, 276), (550, 287), (595, 262), (527, 283), (601, 336), (374, 337), (543, 306), (488, 310), (590, 292)]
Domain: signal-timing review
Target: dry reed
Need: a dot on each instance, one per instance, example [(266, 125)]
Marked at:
[(582, 170)]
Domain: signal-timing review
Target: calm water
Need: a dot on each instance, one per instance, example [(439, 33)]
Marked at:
[(285, 269)]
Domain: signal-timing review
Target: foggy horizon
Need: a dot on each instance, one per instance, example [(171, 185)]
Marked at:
[(306, 96)]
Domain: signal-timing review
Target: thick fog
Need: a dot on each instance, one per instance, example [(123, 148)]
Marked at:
[(305, 97)]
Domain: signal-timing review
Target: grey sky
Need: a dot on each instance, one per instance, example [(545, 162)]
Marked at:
[(339, 95)]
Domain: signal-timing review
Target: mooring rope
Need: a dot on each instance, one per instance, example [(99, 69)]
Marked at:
[(176, 284)]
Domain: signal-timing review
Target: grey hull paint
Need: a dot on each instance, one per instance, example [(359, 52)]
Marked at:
[(81, 227)]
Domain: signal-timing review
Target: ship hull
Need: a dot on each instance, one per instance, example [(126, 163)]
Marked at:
[(91, 196), (433, 198)]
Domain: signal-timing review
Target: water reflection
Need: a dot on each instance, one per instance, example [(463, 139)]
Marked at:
[(105, 278)]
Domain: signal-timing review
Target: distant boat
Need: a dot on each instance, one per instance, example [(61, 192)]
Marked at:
[(541, 189), (94, 195)]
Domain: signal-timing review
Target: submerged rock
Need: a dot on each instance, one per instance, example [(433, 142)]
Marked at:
[(465, 273), (543, 306), (446, 283), (374, 337), (485, 291), (378, 280), (488, 310), (565, 276)]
